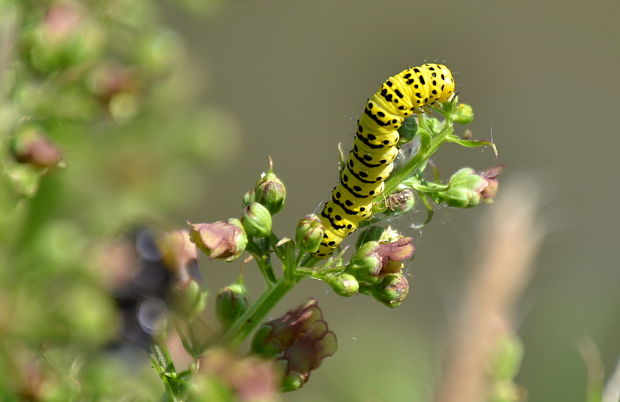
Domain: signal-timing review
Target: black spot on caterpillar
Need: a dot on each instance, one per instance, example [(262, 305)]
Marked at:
[(371, 160)]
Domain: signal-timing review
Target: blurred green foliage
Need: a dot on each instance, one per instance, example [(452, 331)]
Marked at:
[(99, 130)]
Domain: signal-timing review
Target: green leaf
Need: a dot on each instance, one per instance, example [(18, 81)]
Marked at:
[(472, 143)]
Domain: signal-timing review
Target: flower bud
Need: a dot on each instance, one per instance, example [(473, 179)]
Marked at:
[(309, 233), (366, 264), (222, 240), (293, 382), (31, 146), (248, 198), (188, 299), (230, 304), (299, 341), (392, 290), (490, 175), (464, 114), (344, 284), (256, 220), (270, 192), (400, 202), (464, 189)]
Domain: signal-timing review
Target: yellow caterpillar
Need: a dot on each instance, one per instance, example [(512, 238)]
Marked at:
[(371, 160)]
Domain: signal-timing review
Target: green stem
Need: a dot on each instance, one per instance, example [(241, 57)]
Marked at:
[(418, 160), (262, 261), (256, 313)]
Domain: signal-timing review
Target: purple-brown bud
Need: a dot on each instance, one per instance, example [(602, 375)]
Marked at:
[(374, 260), (392, 290), (490, 175), (222, 240), (309, 233), (300, 340), (32, 146)]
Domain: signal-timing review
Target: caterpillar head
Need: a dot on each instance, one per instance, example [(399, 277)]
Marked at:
[(448, 84)]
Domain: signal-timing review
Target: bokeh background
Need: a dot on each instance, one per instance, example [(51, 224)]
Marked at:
[(288, 80)]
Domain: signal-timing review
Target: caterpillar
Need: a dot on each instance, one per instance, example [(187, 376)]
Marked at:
[(370, 162)]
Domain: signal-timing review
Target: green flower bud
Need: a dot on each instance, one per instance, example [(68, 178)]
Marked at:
[(248, 198), (270, 192), (400, 202), (231, 303), (292, 382), (344, 284), (366, 269), (262, 343), (256, 220), (464, 114), (309, 233), (222, 240), (188, 299), (65, 37), (392, 290), (464, 189)]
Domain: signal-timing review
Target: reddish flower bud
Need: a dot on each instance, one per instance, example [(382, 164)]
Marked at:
[(32, 146), (396, 251), (392, 290), (222, 240), (300, 340), (374, 260), (490, 175)]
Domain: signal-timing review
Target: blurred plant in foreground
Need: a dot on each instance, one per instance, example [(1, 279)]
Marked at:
[(96, 98)]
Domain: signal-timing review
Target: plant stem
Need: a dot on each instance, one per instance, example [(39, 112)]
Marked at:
[(417, 161), (261, 260), (256, 313)]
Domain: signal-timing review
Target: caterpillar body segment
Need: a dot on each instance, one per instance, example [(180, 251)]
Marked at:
[(370, 162)]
